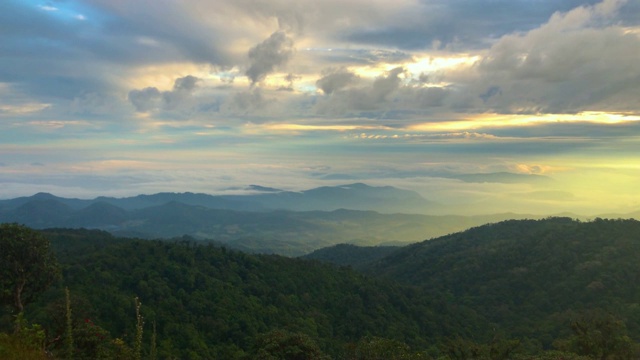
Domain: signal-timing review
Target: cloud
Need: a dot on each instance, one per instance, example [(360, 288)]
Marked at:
[(269, 55), (335, 79), (119, 41), (48, 8), (457, 25), (101, 104), (187, 83), (579, 60), (146, 99), (152, 99), (383, 86), (182, 91), (436, 81), (372, 96), (246, 102)]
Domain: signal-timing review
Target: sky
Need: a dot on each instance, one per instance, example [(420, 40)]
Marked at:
[(529, 106)]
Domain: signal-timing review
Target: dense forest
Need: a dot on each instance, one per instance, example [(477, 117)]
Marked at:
[(530, 272), (552, 289)]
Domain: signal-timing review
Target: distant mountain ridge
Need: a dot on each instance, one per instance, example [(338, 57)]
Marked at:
[(269, 221), (283, 232), (358, 196), (306, 221)]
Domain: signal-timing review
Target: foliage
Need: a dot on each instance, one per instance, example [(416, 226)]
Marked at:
[(68, 333), (599, 335), (137, 344), (285, 345), (496, 349), (377, 348), (351, 255), (552, 355), (14, 347), (209, 302), (500, 291), (91, 341), (28, 342), (27, 265), (530, 276)]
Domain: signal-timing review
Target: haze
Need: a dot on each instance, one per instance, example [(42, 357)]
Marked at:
[(508, 105)]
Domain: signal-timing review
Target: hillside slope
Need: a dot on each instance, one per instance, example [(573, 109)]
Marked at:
[(530, 275), (351, 255), (214, 302)]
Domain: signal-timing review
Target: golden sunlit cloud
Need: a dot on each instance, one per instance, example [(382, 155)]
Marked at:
[(163, 76), (631, 30), (538, 169), (415, 66), (430, 64), (509, 120)]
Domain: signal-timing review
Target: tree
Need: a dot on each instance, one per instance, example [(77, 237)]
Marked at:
[(285, 345), (376, 348), (599, 335), (27, 265)]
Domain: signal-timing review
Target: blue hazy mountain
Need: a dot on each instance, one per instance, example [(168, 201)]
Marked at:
[(385, 199), (267, 221), (358, 196)]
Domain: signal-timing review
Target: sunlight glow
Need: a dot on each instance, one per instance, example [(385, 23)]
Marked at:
[(506, 120), (429, 64)]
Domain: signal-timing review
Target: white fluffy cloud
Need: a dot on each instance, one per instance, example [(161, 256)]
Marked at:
[(579, 60)]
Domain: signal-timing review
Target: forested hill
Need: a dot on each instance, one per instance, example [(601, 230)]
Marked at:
[(530, 275), (212, 303), (351, 255), (514, 287)]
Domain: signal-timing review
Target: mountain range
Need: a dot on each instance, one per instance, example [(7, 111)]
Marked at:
[(271, 221), (267, 221), (357, 196)]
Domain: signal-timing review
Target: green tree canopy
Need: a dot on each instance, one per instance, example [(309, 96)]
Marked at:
[(284, 345), (27, 265)]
